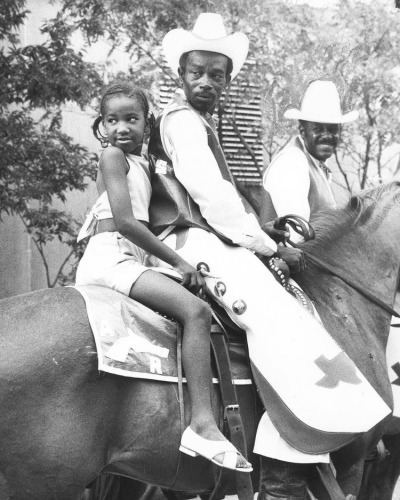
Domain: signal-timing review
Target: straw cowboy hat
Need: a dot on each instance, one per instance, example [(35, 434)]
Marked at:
[(321, 103), (208, 34)]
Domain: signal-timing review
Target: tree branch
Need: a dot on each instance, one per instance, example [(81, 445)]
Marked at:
[(60, 270), (154, 60), (342, 171)]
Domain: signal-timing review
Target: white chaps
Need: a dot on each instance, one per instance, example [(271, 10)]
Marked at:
[(287, 346)]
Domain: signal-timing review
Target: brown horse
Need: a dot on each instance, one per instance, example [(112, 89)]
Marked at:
[(63, 422)]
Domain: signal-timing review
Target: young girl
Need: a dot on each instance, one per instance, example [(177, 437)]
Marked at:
[(118, 252)]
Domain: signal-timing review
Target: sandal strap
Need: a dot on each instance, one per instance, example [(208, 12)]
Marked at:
[(230, 460), (205, 447)]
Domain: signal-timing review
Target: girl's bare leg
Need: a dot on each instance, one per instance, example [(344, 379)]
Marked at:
[(168, 297)]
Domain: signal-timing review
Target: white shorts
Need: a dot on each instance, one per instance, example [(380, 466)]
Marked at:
[(113, 261)]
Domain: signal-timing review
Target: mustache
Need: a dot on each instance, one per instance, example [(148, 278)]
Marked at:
[(328, 142)]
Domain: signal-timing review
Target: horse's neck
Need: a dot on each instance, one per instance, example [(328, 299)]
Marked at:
[(367, 255), (370, 262)]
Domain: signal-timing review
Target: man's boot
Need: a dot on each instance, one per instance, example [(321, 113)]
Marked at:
[(283, 480)]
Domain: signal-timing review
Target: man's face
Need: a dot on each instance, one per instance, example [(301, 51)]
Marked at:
[(320, 139), (204, 79)]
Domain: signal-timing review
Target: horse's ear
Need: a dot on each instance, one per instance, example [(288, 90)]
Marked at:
[(355, 202)]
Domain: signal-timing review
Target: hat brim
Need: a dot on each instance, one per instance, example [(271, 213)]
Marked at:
[(179, 41), (297, 114)]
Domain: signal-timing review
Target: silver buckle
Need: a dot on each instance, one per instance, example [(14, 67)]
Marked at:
[(230, 408)]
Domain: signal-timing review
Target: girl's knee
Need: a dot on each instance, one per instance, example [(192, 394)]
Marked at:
[(199, 311)]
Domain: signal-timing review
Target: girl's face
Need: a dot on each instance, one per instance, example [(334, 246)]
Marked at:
[(124, 122)]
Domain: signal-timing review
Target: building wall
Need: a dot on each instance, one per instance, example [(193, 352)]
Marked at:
[(15, 258)]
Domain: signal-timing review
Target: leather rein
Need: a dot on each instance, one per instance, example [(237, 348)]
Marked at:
[(302, 227)]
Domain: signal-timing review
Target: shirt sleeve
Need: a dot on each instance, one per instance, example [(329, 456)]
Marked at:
[(287, 181), (196, 168)]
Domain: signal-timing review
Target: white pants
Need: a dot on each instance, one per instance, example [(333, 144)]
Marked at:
[(284, 341)]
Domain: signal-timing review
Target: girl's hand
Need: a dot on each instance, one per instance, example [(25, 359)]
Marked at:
[(192, 279)]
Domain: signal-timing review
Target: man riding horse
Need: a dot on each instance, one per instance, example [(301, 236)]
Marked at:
[(196, 210), (298, 181)]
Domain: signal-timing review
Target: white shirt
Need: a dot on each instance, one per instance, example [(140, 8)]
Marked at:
[(287, 180), (139, 186), (185, 140)]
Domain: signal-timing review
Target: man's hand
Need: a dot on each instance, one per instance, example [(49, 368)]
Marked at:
[(293, 257), (277, 235)]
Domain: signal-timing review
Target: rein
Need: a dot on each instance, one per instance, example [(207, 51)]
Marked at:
[(302, 227)]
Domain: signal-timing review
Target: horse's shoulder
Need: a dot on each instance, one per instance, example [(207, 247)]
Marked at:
[(43, 331), (47, 310), (62, 297)]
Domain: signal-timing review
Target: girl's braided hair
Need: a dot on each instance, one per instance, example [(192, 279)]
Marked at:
[(120, 89)]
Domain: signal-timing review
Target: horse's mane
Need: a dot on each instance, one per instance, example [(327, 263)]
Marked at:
[(332, 225)]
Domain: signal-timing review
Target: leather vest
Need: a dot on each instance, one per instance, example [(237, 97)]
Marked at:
[(171, 204), (320, 196)]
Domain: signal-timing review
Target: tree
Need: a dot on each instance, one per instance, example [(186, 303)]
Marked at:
[(296, 47), (289, 46), (38, 162), (373, 31)]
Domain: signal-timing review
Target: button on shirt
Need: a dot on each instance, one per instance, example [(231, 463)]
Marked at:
[(185, 138)]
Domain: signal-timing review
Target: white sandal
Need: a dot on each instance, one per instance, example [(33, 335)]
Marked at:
[(194, 445)]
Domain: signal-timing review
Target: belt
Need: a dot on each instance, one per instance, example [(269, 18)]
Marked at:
[(104, 225)]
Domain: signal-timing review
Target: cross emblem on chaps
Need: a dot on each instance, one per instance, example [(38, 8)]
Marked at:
[(338, 369)]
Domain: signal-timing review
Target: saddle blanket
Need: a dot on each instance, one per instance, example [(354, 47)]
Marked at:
[(134, 341)]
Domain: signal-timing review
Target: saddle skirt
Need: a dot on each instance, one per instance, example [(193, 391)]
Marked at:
[(134, 341)]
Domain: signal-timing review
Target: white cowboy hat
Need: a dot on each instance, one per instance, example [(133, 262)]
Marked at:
[(208, 34), (321, 104)]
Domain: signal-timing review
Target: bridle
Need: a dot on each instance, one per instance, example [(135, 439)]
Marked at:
[(302, 227)]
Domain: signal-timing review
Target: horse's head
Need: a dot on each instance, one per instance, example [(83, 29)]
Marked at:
[(363, 238)]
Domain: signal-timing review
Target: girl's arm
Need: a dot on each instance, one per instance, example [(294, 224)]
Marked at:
[(113, 166)]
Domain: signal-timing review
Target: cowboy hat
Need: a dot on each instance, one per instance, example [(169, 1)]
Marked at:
[(321, 104), (208, 34)]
